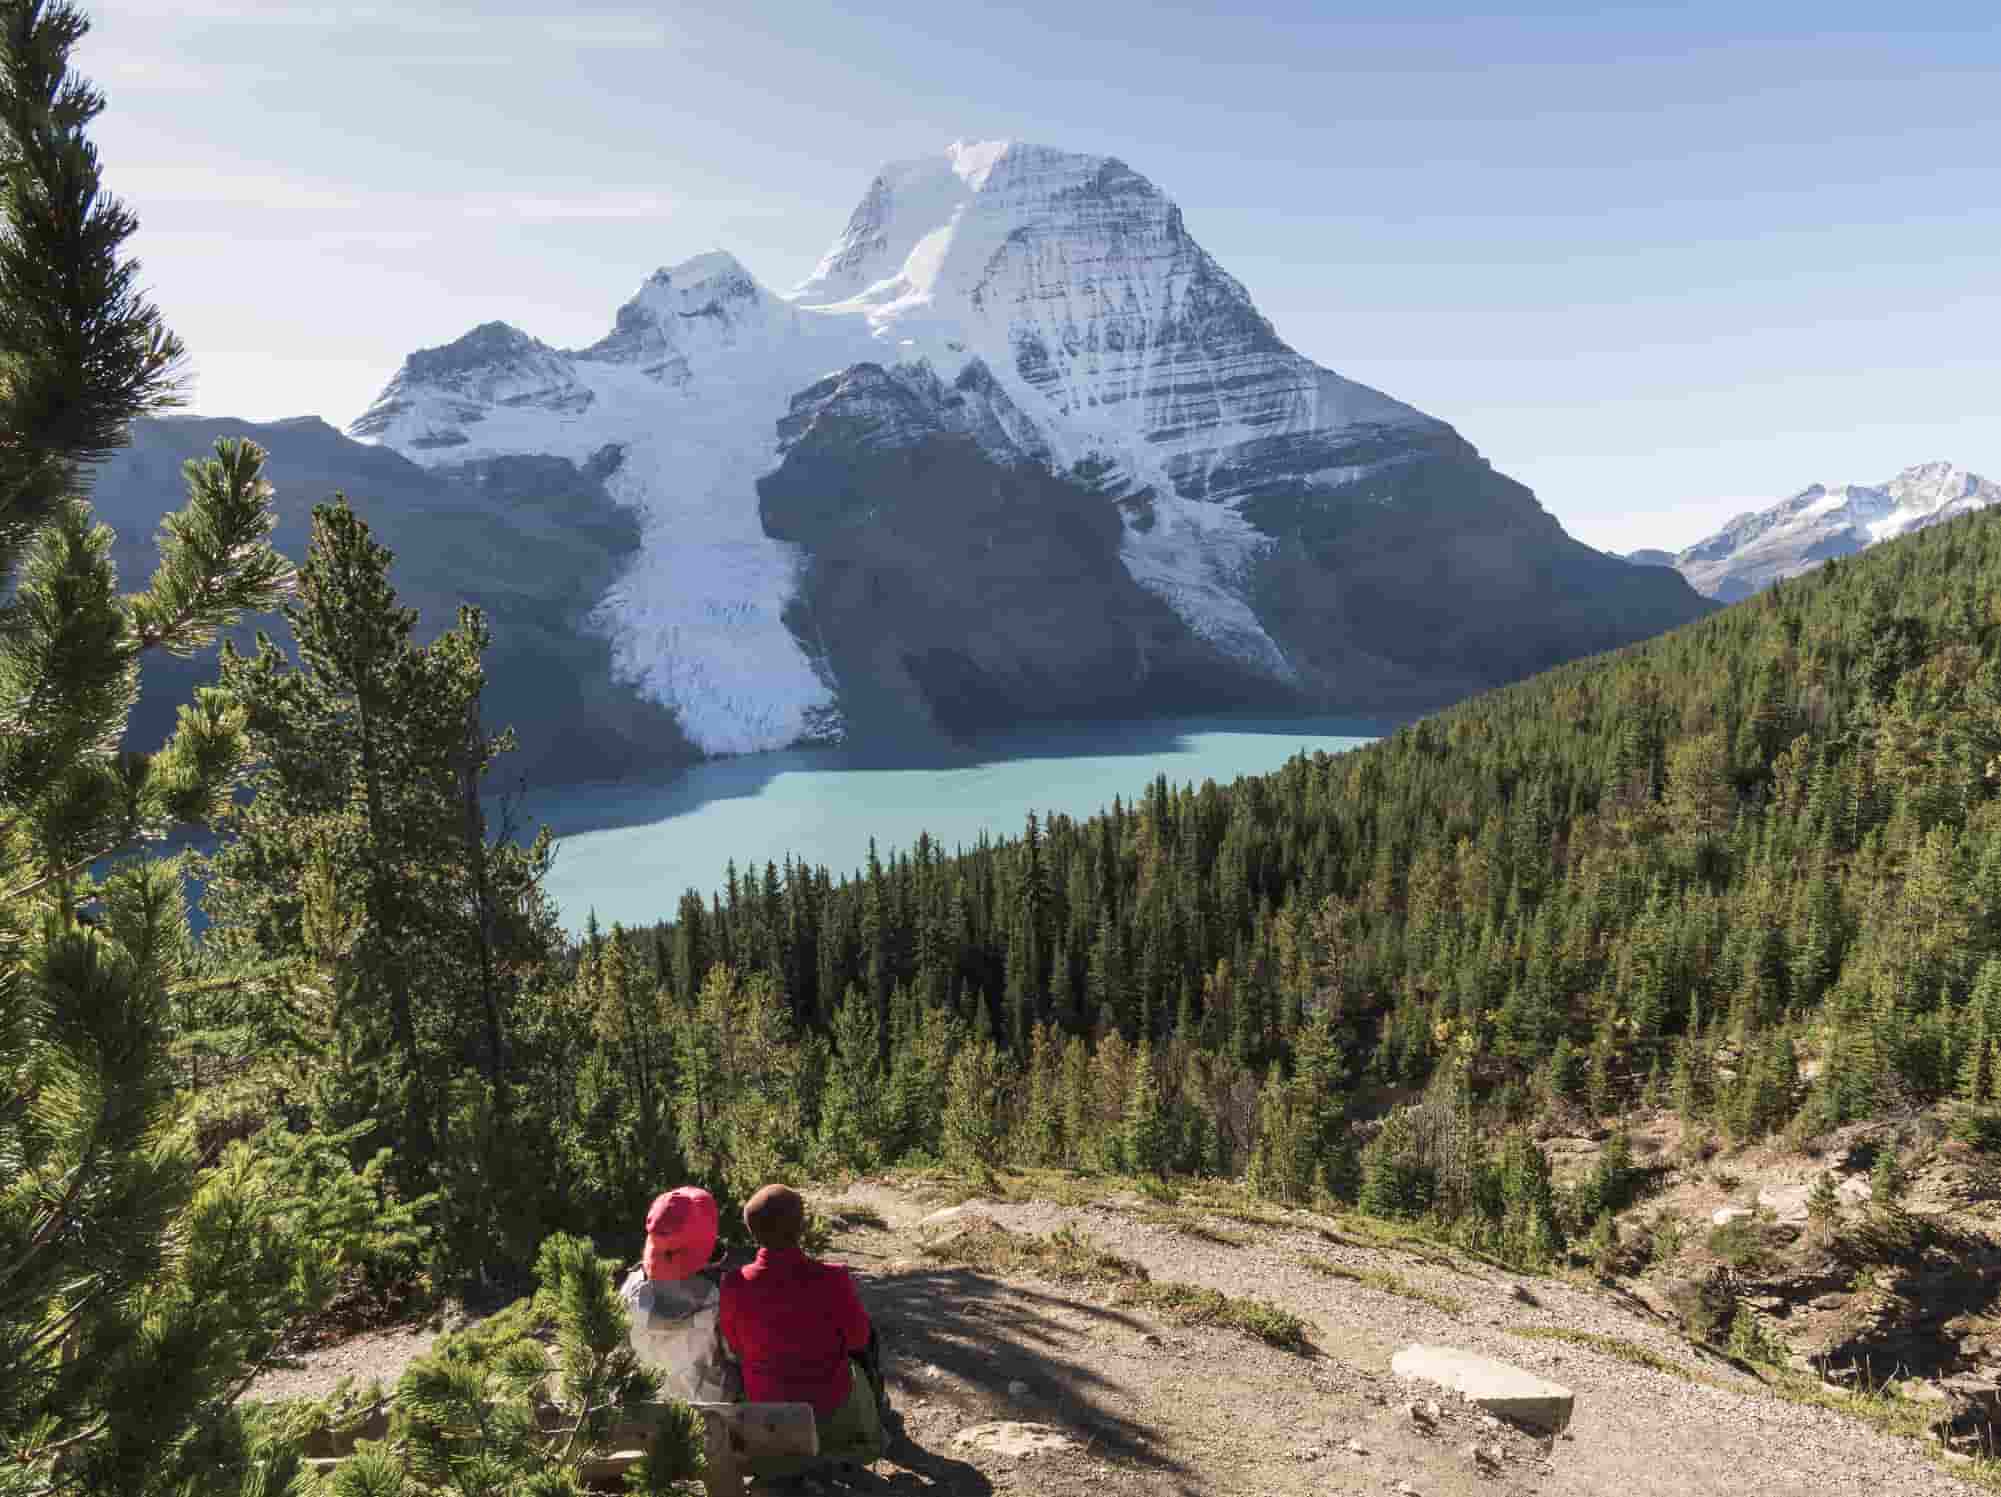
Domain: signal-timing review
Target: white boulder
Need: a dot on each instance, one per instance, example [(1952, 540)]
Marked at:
[(1497, 1387), (1787, 1203)]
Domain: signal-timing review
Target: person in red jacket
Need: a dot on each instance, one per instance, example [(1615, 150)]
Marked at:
[(797, 1327)]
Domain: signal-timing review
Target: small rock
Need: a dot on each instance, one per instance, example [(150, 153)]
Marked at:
[(1017, 1389), (1356, 1447), (1432, 1411), (1416, 1414), (1725, 1215), (1520, 1295), (1149, 1339), (1491, 1453), (1786, 1202)]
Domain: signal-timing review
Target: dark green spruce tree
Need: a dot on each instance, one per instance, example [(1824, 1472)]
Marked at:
[(370, 761)]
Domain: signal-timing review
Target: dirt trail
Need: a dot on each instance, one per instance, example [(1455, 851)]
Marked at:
[(1160, 1408)]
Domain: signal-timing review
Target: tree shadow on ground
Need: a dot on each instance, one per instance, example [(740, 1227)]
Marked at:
[(987, 1333)]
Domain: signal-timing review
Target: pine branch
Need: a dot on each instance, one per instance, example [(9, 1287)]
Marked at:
[(68, 871)]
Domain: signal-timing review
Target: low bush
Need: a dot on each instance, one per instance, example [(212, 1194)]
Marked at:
[(1740, 1243)]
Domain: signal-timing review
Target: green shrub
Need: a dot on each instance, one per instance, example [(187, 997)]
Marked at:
[(1740, 1243), (1750, 1340), (1979, 1130), (1886, 1180), (478, 1416)]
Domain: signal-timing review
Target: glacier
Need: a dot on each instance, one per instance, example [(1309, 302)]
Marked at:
[(1063, 290)]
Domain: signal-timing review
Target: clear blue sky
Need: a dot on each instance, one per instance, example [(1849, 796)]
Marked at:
[(1662, 262)]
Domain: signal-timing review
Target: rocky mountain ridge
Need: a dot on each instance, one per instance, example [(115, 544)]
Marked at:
[(1820, 522)]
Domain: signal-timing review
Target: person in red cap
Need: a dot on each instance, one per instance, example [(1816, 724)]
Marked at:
[(674, 1305), (800, 1331)]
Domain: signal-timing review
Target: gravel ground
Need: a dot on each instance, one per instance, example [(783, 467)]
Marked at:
[(1634, 1431), (1153, 1407)]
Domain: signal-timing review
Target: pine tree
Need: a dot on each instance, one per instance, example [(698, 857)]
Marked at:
[(975, 1117), (1077, 1095), (370, 753), (139, 1293), (852, 1126), (1976, 1071), (1145, 1121), (1043, 1125), (1886, 1179)]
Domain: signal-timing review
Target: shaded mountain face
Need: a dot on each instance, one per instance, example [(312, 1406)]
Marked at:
[(1821, 522), (533, 540), (1018, 447)]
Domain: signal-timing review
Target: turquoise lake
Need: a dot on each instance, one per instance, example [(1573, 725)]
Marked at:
[(630, 850)]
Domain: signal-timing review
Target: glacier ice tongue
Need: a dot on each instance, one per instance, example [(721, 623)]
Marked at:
[(686, 387)]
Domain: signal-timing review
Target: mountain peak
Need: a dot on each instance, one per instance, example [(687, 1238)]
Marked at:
[(699, 270), (956, 205), (1826, 520), (707, 299)]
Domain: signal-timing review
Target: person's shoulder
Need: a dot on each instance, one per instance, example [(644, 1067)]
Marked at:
[(835, 1271)]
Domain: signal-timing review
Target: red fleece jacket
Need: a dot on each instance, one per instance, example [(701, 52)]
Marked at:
[(792, 1320)]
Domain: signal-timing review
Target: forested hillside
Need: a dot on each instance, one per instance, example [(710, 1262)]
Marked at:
[(1749, 870)]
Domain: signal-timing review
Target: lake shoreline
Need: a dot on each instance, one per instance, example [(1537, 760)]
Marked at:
[(628, 850)]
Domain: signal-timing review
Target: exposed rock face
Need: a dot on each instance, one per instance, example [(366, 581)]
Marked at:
[(1018, 447), (1820, 522)]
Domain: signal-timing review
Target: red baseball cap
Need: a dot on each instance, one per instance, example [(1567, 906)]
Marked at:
[(680, 1233)]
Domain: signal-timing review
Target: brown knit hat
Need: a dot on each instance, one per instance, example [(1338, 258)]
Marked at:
[(775, 1217)]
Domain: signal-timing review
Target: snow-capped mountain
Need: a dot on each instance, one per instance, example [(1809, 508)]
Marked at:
[(1017, 446), (1797, 534)]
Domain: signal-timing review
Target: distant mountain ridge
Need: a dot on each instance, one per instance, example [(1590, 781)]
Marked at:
[(1018, 447), (1820, 522)]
